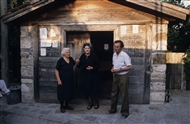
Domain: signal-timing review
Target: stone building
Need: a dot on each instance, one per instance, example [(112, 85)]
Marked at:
[(49, 25)]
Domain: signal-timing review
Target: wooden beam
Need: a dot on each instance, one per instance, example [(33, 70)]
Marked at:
[(127, 22), (21, 12), (168, 5), (159, 8)]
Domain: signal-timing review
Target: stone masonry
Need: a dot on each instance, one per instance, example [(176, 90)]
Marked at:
[(27, 63), (158, 75), (158, 65)]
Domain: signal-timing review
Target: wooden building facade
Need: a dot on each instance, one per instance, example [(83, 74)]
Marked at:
[(49, 25)]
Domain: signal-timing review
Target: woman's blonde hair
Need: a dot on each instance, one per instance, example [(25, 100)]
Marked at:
[(64, 50)]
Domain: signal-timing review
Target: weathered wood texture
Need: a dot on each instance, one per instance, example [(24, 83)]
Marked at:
[(165, 8), (24, 9), (4, 46), (148, 53), (95, 12), (174, 72), (47, 62)]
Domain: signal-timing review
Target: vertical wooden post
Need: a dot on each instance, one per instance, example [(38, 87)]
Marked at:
[(148, 55), (4, 44)]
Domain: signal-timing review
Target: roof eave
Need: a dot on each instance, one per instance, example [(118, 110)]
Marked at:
[(162, 7), (31, 6), (171, 11)]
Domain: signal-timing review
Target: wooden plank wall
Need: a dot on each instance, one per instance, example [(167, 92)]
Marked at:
[(175, 77)]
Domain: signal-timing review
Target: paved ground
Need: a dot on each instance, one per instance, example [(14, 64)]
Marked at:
[(177, 111)]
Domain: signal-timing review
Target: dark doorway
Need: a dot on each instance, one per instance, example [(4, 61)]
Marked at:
[(14, 64), (102, 43)]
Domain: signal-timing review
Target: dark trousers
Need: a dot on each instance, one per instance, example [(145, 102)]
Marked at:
[(120, 84)]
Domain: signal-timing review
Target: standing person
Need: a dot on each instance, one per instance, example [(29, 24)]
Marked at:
[(121, 66), (65, 79), (90, 79)]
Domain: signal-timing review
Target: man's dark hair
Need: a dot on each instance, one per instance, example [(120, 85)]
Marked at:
[(121, 43)]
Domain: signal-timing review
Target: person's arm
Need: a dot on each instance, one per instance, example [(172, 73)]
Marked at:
[(78, 62), (57, 73), (112, 70), (127, 60), (57, 77), (126, 68), (96, 64), (122, 69)]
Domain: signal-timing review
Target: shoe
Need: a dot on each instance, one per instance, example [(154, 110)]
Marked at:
[(96, 106), (8, 92), (89, 106), (68, 107), (62, 109), (111, 112), (124, 116)]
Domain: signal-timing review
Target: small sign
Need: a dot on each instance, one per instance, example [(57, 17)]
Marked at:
[(106, 46), (123, 30), (52, 33), (55, 43), (45, 43), (48, 43), (43, 33), (43, 51), (135, 29), (42, 43)]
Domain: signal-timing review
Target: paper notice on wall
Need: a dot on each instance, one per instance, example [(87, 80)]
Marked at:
[(52, 33), (42, 43), (48, 43), (55, 43), (45, 43), (135, 29), (123, 30), (43, 33), (43, 51)]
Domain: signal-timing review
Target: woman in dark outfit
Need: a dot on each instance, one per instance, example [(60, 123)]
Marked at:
[(90, 65), (65, 77)]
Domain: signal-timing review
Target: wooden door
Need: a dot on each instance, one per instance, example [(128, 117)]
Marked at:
[(75, 41)]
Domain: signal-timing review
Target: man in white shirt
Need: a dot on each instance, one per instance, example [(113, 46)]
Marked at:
[(121, 66)]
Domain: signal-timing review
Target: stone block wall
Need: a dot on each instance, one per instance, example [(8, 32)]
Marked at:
[(27, 63), (29, 40), (158, 75), (135, 47)]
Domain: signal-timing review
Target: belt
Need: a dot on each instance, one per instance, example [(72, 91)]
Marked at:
[(120, 74)]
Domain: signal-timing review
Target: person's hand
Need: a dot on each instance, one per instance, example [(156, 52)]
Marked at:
[(89, 68), (77, 61), (115, 70), (59, 83), (112, 70)]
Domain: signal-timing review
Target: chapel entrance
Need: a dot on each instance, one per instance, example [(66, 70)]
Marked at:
[(102, 43)]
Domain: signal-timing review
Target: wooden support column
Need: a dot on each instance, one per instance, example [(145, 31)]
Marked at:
[(4, 44)]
